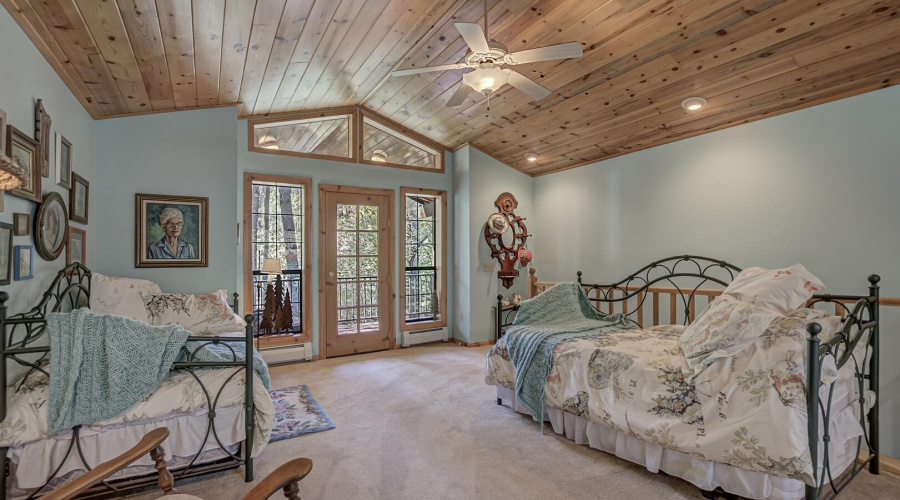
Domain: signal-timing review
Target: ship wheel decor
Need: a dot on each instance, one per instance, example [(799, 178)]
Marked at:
[(498, 224)]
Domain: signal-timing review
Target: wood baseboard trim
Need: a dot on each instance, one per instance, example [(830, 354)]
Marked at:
[(470, 344), (887, 464)]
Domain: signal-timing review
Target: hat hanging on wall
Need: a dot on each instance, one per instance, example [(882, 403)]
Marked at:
[(498, 223), (524, 256)]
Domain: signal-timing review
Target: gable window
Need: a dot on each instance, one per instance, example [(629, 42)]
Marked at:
[(277, 211), (424, 291), (383, 143), (327, 135)]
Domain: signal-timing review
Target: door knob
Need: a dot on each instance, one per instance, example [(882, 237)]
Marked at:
[(331, 274)]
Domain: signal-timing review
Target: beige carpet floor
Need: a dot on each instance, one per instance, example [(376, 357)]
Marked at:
[(420, 423)]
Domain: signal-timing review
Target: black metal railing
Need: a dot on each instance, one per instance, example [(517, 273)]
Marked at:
[(291, 281), (421, 296)]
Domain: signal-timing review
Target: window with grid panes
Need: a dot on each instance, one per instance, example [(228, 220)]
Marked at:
[(421, 259), (277, 233)]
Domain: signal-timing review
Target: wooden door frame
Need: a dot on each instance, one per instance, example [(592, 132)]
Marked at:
[(392, 294), (306, 300)]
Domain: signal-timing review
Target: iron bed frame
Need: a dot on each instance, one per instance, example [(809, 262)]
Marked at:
[(861, 318), (70, 290)]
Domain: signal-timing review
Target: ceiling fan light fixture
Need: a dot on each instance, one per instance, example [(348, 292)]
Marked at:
[(486, 80), (693, 103), (379, 156), (532, 157), (268, 142)]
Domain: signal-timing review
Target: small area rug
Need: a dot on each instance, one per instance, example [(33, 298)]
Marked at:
[(296, 413)]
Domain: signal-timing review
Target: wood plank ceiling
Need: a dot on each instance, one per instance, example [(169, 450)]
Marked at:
[(750, 59)]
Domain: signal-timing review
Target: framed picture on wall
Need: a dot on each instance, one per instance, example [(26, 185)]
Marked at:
[(63, 161), (25, 151), (22, 224), (6, 253), (76, 250), (42, 136), (171, 231), (2, 131), (79, 195), (24, 262)]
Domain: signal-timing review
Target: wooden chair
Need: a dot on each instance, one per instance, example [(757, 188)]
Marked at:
[(284, 478)]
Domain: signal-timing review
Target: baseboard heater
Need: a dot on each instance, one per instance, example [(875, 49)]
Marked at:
[(423, 336), (287, 354)]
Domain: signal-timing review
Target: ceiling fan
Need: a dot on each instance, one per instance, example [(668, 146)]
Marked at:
[(487, 57)]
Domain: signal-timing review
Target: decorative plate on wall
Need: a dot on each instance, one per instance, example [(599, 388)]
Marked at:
[(51, 226)]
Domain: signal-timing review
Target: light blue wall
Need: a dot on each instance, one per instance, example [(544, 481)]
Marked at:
[(487, 179), (462, 257), (188, 153), (819, 186), (350, 174), (26, 76)]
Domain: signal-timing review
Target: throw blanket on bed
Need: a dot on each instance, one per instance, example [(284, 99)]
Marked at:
[(101, 365), (560, 314)]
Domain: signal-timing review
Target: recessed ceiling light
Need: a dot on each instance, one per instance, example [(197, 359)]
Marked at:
[(379, 156), (531, 157), (693, 103)]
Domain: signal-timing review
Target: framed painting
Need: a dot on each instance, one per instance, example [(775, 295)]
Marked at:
[(171, 231), (24, 262), (42, 136), (79, 196), (6, 253), (22, 223), (25, 152), (2, 131), (63, 161), (76, 250)]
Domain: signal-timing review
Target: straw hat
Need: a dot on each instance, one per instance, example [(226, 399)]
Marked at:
[(498, 223)]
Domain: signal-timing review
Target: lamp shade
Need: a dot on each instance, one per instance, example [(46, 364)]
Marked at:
[(271, 266), (487, 79), (12, 176)]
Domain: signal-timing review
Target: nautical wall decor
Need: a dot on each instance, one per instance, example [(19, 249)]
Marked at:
[(505, 247)]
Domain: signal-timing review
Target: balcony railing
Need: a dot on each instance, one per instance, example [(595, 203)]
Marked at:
[(421, 295), (291, 280)]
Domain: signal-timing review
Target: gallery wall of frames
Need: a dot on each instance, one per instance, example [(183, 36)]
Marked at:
[(36, 159)]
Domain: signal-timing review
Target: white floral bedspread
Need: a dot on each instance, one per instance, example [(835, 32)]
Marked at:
[(180, 393), (748, 411)]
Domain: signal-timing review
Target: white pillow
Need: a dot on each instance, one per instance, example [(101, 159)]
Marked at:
[(782, 290), (725, 328), (121, 296), (202, 314)]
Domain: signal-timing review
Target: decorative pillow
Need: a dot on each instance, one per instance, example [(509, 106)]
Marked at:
[(782, 290), (121, 296), (202, 314), (726, 327)]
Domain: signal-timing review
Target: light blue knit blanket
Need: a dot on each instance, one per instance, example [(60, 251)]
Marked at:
[(561, 314), (101, 365)]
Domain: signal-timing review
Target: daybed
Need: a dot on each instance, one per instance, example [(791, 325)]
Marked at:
[(201, 442), (737, 426)]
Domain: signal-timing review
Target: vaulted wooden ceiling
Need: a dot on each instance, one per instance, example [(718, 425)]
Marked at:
[(750, 59)]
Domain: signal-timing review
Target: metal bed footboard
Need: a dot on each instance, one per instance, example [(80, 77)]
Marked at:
[(860, 328), (22, 334)]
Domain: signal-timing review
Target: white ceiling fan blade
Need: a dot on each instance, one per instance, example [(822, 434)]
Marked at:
[(428, 69), (561, 51), (534, 90), (459, 96), (474, 36)]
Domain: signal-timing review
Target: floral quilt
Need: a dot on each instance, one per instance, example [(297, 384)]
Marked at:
[(748, 411), (26, 414)]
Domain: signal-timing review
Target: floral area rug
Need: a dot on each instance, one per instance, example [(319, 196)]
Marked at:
[(297, 413)]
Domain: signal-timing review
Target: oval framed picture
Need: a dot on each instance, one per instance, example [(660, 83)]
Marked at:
[(51, 226)]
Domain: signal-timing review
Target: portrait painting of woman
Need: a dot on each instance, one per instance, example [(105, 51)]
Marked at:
[(171, 231)]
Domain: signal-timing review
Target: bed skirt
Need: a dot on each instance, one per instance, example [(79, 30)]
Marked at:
[(186, 435), (704, 474)]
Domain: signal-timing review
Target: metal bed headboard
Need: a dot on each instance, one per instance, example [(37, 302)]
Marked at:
[(860, 327), (71, 289)]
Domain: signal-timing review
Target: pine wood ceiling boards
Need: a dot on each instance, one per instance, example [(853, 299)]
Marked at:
[(749, 58)]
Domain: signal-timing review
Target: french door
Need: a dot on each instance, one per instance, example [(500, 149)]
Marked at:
[(356, 251)]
